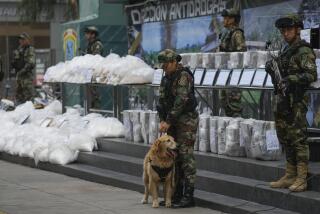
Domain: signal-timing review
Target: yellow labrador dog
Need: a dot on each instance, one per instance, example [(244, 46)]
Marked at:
[(158, 168)]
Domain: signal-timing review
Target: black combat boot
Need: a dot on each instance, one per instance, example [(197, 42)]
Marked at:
[(187, 199)]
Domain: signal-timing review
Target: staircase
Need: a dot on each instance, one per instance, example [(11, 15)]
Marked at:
[(228, 184)]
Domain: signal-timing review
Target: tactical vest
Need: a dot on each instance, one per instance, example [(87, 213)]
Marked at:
[(225, 45), (90, 47), (297, 91), (170, 84)]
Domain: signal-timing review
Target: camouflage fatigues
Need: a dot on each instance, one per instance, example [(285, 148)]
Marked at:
[(95, 47), (298, 62), (231, 102), (232, 40), (177, 105), (24, 63)]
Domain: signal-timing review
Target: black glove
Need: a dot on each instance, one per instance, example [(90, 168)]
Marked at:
[(269, 66)]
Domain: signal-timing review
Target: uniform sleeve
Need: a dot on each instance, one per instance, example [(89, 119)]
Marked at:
[(307, 64), (183, 89), (238, 41), (30, 61), (161, 106), (97, 48)]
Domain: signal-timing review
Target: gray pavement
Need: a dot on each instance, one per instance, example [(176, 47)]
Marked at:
[(25, 190)]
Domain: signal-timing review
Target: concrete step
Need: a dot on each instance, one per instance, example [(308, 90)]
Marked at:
[(122, 180), (243, 167), (214, 182)]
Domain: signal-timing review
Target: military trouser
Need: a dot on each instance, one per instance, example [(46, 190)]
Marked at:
[(24, 90), (184, 133), (291, 129), (231, 102)]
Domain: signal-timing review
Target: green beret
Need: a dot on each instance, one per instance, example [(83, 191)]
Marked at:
[(291, 20), (230, 13)]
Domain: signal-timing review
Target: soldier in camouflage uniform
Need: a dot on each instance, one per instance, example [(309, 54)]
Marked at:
[(94, 47), (232, 40), (179, 118), (24, 64), (298, 69)]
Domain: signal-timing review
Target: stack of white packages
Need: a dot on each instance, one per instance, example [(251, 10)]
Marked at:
[(112, 69), (204, 133), (264, 142), (246, 127), (144, 120), (223, 122), (233, 146), (153, 126), (47, 135), (214, 134), (128, 125), (137, 135)]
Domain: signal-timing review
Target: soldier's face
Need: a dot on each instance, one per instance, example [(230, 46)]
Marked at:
[(169, 67), (228, 21), (290, 34), (23, 42)]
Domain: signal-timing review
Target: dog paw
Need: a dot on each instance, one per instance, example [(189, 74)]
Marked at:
[(168, 204), (155, 204), (144, 201)]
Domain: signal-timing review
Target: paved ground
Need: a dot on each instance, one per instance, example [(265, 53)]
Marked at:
[(25, 190)]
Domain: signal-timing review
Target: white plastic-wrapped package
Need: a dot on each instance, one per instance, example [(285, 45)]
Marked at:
[(262, 59), (106, 127), (264, 143), (204, 133), (137, 135), (153, 126), (144, 120), (62, 154), (41, 154), (246, 127), (196, 143), (82, 142), (233, 147), (214, 134), (222, 125), (128, 125), (55, 107)]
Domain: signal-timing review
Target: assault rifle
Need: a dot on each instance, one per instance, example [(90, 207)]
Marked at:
[(275, 69)]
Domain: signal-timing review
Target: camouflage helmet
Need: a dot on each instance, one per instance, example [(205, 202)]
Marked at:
[(91, 29), (231, 13), (168, 55), (24, 35), (292, 20)]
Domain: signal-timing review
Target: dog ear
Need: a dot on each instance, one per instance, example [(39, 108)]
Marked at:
[(156, 145)]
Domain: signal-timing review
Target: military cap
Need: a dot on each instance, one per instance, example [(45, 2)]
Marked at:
[(91, 29), (24, 35), (291, 20), (230, 13)]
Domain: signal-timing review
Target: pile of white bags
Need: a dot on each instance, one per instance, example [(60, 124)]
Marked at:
[(204, 133), (48, 135), (112, 69)]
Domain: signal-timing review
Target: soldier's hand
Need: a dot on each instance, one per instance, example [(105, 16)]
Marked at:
[(269, 67), (291, 79), (164, 126)]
